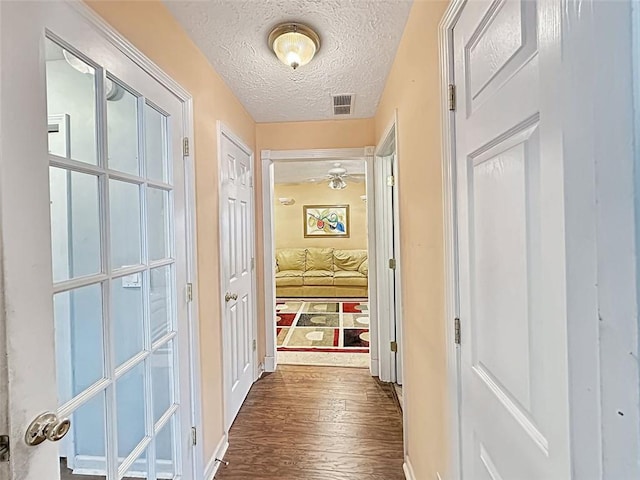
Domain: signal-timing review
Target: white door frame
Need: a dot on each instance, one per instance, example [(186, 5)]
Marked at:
[(268, 157), (388, 328), (98, 25), (4, 380), (224, 131), (594, 141)]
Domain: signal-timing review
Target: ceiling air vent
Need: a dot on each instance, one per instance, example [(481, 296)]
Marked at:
[(343, 104)]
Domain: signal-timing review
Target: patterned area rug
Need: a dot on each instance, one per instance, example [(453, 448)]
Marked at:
[(318, 326)]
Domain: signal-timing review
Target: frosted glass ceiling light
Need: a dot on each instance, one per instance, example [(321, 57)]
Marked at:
[(294, 44)]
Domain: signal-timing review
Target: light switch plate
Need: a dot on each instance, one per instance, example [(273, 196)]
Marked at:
[(132, 281)]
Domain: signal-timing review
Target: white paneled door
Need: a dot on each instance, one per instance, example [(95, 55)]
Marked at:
[(98, 256), (513, 363), (237, 247)]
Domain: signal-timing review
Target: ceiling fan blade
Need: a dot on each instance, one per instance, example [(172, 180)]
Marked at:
[(315, 179), (356, 177)]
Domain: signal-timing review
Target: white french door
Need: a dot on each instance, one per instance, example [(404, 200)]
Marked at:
[(237, 249), (514, 404), (110, 283)]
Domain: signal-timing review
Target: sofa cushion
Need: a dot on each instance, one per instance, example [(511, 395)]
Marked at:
[(319, 259), (318, 277), (364, 268), (289, 278), (291, 259), (348, 260), (352, 279)]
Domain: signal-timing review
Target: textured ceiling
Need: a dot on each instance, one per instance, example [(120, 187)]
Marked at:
[(301, 172), (359, 39)]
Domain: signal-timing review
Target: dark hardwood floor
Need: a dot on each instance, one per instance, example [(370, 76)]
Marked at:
[(316, 423)]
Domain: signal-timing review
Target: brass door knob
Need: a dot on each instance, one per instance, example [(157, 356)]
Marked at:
[(46, 426)]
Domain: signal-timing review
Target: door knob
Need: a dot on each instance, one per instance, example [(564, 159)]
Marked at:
[(46, 426), (230, 296)]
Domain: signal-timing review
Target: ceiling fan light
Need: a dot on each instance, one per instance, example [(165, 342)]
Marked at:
[(337, 183), (294, 44)]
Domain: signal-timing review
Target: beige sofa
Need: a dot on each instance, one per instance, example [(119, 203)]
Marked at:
[(321, 272)]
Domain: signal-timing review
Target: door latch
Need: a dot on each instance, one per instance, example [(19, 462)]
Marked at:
[(5, 450)]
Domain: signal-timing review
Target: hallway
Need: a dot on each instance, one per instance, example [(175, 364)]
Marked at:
[(316, 423)]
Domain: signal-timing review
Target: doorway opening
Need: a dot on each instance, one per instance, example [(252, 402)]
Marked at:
[(381, 256), (321, 263)]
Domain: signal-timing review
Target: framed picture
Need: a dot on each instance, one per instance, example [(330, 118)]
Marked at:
[(326, 221)]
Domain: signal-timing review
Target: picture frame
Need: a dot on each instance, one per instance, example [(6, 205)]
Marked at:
[(326, 221)]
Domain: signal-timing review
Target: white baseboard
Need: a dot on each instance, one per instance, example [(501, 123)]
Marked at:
[(259, 372), (375, 367), (213, 465), (269, 364), (408, 469)]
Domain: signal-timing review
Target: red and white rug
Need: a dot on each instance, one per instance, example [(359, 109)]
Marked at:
[(323, 326)]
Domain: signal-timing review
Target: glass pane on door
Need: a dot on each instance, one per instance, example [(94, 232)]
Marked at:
[(162, 380), (158, 202), (127, 315), (75, 224), (79, 340), (122, 126), (126, 232), (83, 450), (113, 274), (156, 145), (130, 411), (165, 450), (161, 304), (71, 92)]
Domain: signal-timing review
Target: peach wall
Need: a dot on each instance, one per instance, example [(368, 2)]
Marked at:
[(321, 134), (154, 31), (413, 88), (355, 133), (289, 219)]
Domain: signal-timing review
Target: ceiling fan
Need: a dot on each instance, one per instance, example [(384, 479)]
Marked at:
[(337, 177)]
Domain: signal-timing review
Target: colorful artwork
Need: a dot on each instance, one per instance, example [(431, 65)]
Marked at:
[(326, 221)]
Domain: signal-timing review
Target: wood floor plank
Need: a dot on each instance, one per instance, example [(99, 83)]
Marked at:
[(316, 423)]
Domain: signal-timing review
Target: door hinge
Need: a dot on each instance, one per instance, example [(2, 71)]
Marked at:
[(194, 436), (391, 181), (189, 292), (255, 345), (452, 97), (185, 146), (5, 451), (253, 263), (394, 346), (456, 326), (392, 263)]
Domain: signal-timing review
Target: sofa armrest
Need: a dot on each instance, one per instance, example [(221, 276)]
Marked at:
[(364, 268)]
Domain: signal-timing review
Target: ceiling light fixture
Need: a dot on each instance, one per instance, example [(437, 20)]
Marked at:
[(294, 44), (337, 183)]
